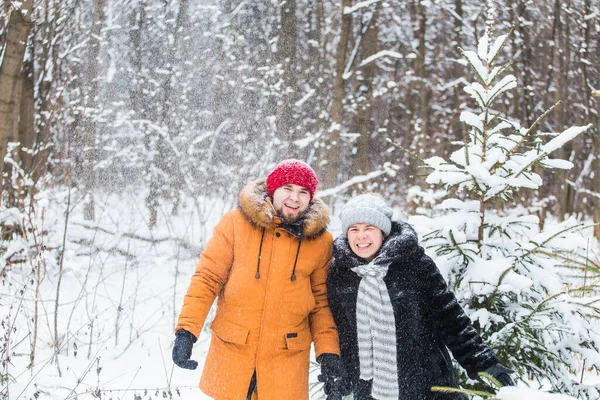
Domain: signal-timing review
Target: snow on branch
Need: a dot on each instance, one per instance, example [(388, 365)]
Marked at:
[(307, 96), (381, 54), (358, 6), (355, 180)]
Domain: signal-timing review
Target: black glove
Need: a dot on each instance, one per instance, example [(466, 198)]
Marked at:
[(334, 375), (501, 373), (182, 349)]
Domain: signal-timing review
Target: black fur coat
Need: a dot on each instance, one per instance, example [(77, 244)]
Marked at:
[(429, 320)]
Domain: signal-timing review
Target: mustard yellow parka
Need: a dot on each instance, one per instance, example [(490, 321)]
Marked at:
[(268, 311)]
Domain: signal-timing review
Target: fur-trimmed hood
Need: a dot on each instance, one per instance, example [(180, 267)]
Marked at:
[(260, 212), (401, 243)]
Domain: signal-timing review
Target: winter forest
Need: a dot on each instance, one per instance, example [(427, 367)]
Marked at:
[(128, 127)]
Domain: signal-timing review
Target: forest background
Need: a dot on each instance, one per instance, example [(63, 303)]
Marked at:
[(151, 115)]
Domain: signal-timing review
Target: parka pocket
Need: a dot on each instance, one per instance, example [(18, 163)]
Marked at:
[(300, 340), (229, 332)]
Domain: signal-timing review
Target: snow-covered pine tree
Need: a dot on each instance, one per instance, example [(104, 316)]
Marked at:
[(529, 291)]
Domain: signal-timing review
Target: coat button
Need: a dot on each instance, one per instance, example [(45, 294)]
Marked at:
[(278, 234)]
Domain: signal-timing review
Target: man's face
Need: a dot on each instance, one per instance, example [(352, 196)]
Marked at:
[(365, 240), (290, 201)]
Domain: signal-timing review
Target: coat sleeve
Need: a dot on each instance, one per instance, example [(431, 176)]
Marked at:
[(335, 304), (454, 325), (210, 276), (323, 329), (348, 345)]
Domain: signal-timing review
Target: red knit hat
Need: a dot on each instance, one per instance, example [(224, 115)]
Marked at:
[(295, 172)]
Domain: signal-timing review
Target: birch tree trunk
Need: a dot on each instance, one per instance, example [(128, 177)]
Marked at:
[(19, 23)]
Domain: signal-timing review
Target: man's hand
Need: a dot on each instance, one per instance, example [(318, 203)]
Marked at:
[(182, 349), (334, 376), (501, 373)]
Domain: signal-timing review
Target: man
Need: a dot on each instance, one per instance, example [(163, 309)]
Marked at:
[(267, 264)]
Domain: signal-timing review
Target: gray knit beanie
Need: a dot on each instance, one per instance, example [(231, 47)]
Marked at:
[(367, 209)]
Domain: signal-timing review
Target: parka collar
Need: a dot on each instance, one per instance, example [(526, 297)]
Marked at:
[(260, 212), (401, 244)]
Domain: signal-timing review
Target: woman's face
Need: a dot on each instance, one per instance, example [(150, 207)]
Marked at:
[(365, 240)]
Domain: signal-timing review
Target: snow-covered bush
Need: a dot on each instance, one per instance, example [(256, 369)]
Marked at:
[(530, 292)]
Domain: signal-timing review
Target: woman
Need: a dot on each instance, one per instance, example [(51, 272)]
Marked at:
[(395, 315)]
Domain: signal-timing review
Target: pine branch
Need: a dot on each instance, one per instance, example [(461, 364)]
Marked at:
[(528, 166), (534, 312), (518, 145), (540, 245), (458, 248), (490, 299), (479, 77), (508, 35), (541, 305), (492, 99), (445, 389), (574, 263), (495, 382)]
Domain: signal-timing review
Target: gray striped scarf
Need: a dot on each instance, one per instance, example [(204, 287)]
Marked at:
[(376, 332)]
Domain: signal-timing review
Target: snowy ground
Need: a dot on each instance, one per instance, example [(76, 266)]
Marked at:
[(121, 290)]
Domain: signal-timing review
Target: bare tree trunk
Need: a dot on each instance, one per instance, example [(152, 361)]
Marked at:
[(525, 51), (515, 48), (23, 132), (14, 183), (26, 118), (458, 23), (584, 53), (422, 75), (596, 137), (167, 84), (169, 102), (286, 56), (455, 124), (565, 194), (49, 61), (548, 178), (311, 64), (597, 169), (19, 22), (138, 20), (364, 117), (333, 149), (525, 105), (89, 135)]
